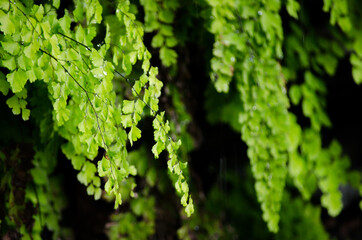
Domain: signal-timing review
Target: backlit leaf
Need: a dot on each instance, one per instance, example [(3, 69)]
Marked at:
[(17, 80), (134, 134)]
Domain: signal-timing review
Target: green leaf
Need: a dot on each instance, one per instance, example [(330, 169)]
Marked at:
[(271, 24), (296, 165), (126, 120), (94, 12), (158, 148), (31, 50), (178, 185), (25, 113), (6, 24), (78, 12), (293, 7), (97, 182), (313, 83), (356, 68), (128, 106), (358, 45), (139, 105), (166, 16), (134, 134), (4, 85), (294, 137), (189, 208), (65, 22), (54, 41), (333, 202), (32, 74), (62, 113), (39, 13), (80, 34), (345, 23), (11, 47), (328, 61), (168, 56), (151, 176), (185, 187), (56, 3), (184, 199), (14, 104), (324, 119), (39, 176), (108, 186), (103, 167), (27, 37), (90, 189), (171, 42), (9, 63), (97, 194), (4, 5), (157, 40), (107, 38), (171, 4), (295, 94), (24, 62), (17, 80), (132, 170), (89, 170), (126, 64), (77, 161), (166, 30), (307, 107)]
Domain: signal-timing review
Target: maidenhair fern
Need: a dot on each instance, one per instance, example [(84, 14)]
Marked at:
[(248, 48), (83, 76), (159, 16), (37, 46)]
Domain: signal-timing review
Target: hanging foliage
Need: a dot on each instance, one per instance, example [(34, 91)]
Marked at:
[(94, 79)]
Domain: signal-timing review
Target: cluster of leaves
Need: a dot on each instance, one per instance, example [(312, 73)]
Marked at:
[(159, 16), (37, 46), (238, 203), (138, 223), (248, 49), (32, 193), (318, 58), (248, 46)]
